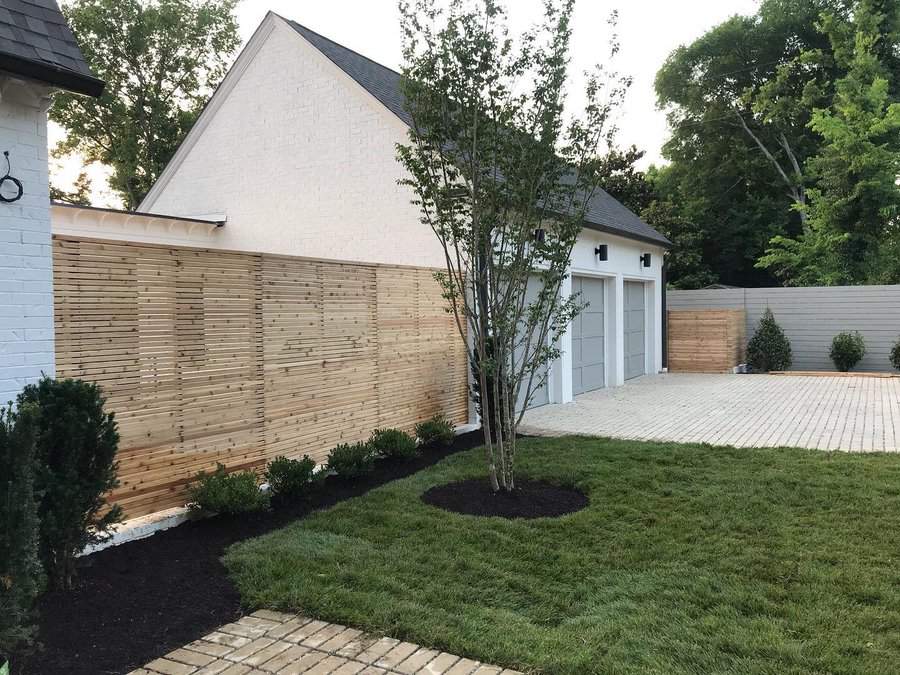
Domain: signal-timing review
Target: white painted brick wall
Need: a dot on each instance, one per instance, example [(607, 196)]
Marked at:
[(302, 161), (26, 269)]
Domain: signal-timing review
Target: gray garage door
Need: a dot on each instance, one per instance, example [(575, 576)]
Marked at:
[(588, 370), (635, 338), (541, 395)]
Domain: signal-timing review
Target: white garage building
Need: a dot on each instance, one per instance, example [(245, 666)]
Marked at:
[(295, 153)]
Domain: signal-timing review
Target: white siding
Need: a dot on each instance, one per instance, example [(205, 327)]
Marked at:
[(26, 275), (811, 317), (301, 159)]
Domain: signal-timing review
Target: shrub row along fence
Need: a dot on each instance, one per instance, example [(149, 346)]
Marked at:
[(211, 356), (811, 317)]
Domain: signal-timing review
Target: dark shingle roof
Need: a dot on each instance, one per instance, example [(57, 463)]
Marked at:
[(36, 42), (604, 213)]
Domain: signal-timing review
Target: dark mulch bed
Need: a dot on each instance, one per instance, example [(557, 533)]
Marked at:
[(138, 601), (530, 499)]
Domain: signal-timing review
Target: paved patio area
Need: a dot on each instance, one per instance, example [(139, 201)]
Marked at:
[(860, 414), (271, 642)]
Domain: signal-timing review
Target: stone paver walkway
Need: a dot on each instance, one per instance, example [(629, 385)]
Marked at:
[(860, 414), (271, 642)]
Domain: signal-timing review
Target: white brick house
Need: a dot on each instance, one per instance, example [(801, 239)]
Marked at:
[(295, 152), (37, 56)]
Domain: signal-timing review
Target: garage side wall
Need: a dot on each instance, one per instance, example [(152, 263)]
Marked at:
[(211, 356), (811, 317)]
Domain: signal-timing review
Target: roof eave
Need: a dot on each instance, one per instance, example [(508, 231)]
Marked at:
[(43, 71), (662, 243)]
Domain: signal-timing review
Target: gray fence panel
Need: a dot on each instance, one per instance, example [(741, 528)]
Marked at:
[(811, 317)]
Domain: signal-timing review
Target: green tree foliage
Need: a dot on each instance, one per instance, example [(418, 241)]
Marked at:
[(769, 349), (847, 349), (80, 194), (76, 451), (852, 233), (20, 568), (503, 180), (647, 194), (739, 100), (160, 60)]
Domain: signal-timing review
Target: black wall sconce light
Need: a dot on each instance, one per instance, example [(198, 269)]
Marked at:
[(540, 234), (645, 259), (602, 252)]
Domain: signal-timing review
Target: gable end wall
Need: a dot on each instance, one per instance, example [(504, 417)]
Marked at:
[(301, 160)]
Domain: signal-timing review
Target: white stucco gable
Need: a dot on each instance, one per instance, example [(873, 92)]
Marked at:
[(299, 158)]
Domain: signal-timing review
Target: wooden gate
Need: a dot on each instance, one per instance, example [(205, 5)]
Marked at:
[(706, 340)]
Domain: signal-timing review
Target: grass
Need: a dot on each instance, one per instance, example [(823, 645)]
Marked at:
[(689, 559)]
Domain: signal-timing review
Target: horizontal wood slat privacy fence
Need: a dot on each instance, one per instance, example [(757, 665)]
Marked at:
[(213, 356), (706, 340)]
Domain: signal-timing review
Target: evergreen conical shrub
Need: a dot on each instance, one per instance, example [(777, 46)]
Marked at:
[(769, 348)]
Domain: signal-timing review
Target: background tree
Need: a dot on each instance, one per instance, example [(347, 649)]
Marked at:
[(160, 60), (851, 236), (80, 193), (739, 100), (503, 182)]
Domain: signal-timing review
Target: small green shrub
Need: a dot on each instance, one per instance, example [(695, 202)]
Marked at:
[(351, 460), (231, 493), (290, 478), (769, 348), (438, 430), (847, 349), (393, 443), (20, 566), (76, 467), (895, 355)]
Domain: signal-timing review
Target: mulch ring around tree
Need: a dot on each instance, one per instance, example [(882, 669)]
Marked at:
[(137, 601), (530, 499)]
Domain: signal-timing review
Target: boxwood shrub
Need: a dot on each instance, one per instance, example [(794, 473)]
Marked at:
[(231, 493), (393, 444), (847, 349), (895, 355), (351, 460), (438, 430), (290, 478)]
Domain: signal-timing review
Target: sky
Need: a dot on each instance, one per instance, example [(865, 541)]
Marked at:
[(648, 29)]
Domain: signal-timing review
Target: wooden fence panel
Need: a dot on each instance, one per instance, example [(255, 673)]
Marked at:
[(212, 356), (705, 341)]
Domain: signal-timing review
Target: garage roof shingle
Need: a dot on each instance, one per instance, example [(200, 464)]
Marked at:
[(604, 212), (37, 43)]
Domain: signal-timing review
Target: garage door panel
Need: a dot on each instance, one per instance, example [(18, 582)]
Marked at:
[(593, 377), (588, 344), (592, 325), (634, 329), (592, 345)]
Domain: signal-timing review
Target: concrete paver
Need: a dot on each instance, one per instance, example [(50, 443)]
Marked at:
[(271, 642), (856, 414)]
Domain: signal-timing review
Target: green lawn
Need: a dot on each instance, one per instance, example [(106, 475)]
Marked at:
[(689, 559)]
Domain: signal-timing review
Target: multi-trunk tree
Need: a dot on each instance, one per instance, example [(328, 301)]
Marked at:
[(503, 180)]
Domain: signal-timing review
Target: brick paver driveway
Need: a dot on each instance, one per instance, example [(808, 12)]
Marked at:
[(828, 413)]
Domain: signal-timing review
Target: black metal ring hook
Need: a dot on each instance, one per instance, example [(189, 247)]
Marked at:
[(14, 181)]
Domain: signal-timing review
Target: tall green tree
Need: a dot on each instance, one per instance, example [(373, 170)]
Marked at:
[(852, 233), (739, 100), (160, 60), (502, 178)]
